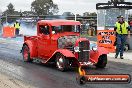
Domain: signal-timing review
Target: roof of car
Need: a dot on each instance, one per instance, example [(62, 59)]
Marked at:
[(59, 22)]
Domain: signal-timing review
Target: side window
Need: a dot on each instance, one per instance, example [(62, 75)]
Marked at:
[(56, 29), (44, 29)]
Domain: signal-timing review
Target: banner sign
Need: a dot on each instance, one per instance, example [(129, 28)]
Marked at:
[(106, 39), (8, 31)]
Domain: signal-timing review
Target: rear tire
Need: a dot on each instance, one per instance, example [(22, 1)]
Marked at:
[(102, 61), (26, 54), (61, 62)]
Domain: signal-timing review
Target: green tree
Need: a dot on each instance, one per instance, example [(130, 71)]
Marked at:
[(10, 10), (93, 14), (44, 7), (54, 9), (90, 14), (86, 14)]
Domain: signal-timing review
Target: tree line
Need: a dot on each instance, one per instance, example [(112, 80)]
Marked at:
[(40, 7)]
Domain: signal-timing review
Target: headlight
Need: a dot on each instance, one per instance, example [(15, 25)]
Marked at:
[(94, 48), (76, 49)]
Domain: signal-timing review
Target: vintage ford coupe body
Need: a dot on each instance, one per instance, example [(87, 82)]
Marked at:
[(59, 41)]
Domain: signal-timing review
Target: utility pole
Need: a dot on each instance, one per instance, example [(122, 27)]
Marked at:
[(75, 20), (6, 18), (0, 20), (75, 17)]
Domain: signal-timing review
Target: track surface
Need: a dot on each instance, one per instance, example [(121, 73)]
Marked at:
[(47, 76)]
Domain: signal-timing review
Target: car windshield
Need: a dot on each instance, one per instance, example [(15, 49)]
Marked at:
[(66, 28)]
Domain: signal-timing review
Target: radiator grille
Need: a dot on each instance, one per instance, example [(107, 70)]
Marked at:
[(84, 51)]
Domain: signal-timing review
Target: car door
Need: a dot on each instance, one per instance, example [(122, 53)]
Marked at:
[(44, 42)]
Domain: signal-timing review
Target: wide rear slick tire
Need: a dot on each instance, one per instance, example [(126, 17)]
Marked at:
[(26, 54), (61, 62), (102, 61)]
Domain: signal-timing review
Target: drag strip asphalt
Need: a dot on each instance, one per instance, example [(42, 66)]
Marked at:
[(47, 76)]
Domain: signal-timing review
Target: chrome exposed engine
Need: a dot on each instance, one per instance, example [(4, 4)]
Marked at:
[(83, 48), (67, 42)]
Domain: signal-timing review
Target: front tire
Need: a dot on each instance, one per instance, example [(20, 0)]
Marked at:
[(26, 54), (61, 62), (102, 61)]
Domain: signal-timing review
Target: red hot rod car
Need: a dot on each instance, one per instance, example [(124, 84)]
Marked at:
[(59, 41)]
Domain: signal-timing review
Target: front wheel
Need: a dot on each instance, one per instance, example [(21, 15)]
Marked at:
[(61, 62), (26, 54), (102, 61)]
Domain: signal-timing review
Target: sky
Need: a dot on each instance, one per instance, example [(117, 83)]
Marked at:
[(74, 6)]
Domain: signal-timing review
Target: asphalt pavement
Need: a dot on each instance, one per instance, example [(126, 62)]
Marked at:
[(47, 76)]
